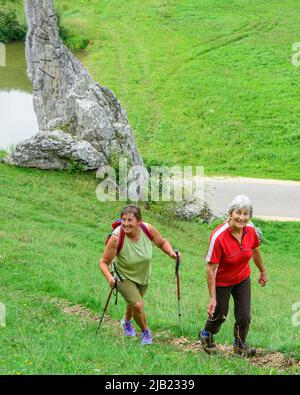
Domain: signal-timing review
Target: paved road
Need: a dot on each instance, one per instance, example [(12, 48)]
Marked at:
[(272, 199)]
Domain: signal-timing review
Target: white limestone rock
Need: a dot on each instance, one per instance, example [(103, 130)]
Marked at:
[(55, 150), (67, 99), (190, 210)]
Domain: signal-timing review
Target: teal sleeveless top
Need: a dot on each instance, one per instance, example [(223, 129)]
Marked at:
[(134, 260)]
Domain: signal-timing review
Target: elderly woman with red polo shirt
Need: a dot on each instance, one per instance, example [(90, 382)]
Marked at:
[(231, 247)]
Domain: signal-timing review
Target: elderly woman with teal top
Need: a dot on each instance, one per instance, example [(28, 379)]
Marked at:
[(128, 255)]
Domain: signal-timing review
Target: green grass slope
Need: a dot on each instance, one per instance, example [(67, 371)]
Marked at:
[(204, 82), (52, 233)]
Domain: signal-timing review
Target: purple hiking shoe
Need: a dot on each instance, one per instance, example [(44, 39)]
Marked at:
[(128, 328), (146, 337)]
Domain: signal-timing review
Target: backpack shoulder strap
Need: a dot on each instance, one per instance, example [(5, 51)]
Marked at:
[(121, 240), (146, 230)]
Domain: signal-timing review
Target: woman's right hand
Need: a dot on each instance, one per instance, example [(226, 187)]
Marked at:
[(211, 307)]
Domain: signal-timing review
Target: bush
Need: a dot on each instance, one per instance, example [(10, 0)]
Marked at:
[(75, 167), (10, 27), (13, 26), (3, 154), (73, 39), (75, 43)]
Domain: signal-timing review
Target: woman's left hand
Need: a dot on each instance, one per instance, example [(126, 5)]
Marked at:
[(263, 279)]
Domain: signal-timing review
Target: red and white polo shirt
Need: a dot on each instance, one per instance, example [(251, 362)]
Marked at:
[(231, 256)]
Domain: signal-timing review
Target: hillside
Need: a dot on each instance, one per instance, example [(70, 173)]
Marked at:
[(205, 83), (52, 234)]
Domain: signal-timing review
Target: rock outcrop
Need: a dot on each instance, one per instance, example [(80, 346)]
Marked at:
[(55, 150), (87, 121), (190, 210)]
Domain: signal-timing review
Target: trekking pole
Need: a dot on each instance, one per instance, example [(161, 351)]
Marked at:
[(178, 289), (107, 302)]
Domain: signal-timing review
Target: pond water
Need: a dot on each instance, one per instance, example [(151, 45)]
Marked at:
[(17, 117)]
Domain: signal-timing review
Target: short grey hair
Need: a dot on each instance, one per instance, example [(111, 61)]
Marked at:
[(240, 202)]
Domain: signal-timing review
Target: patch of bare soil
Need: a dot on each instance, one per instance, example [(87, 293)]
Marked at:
[(263, 358), (82, 312)]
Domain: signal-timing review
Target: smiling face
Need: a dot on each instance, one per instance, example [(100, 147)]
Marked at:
[(130, 224), (239, 218)]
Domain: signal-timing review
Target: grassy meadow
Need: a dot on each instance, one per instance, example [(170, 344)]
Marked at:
[(204, 82), (52, 232), (207, 82)]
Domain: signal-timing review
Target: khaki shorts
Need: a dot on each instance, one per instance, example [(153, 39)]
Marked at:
[(131, 292)]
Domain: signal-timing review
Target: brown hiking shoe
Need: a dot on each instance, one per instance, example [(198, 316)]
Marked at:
[(244, 349), (207, 342)]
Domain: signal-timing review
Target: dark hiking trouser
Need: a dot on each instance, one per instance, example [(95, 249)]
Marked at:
[(242, 298)]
